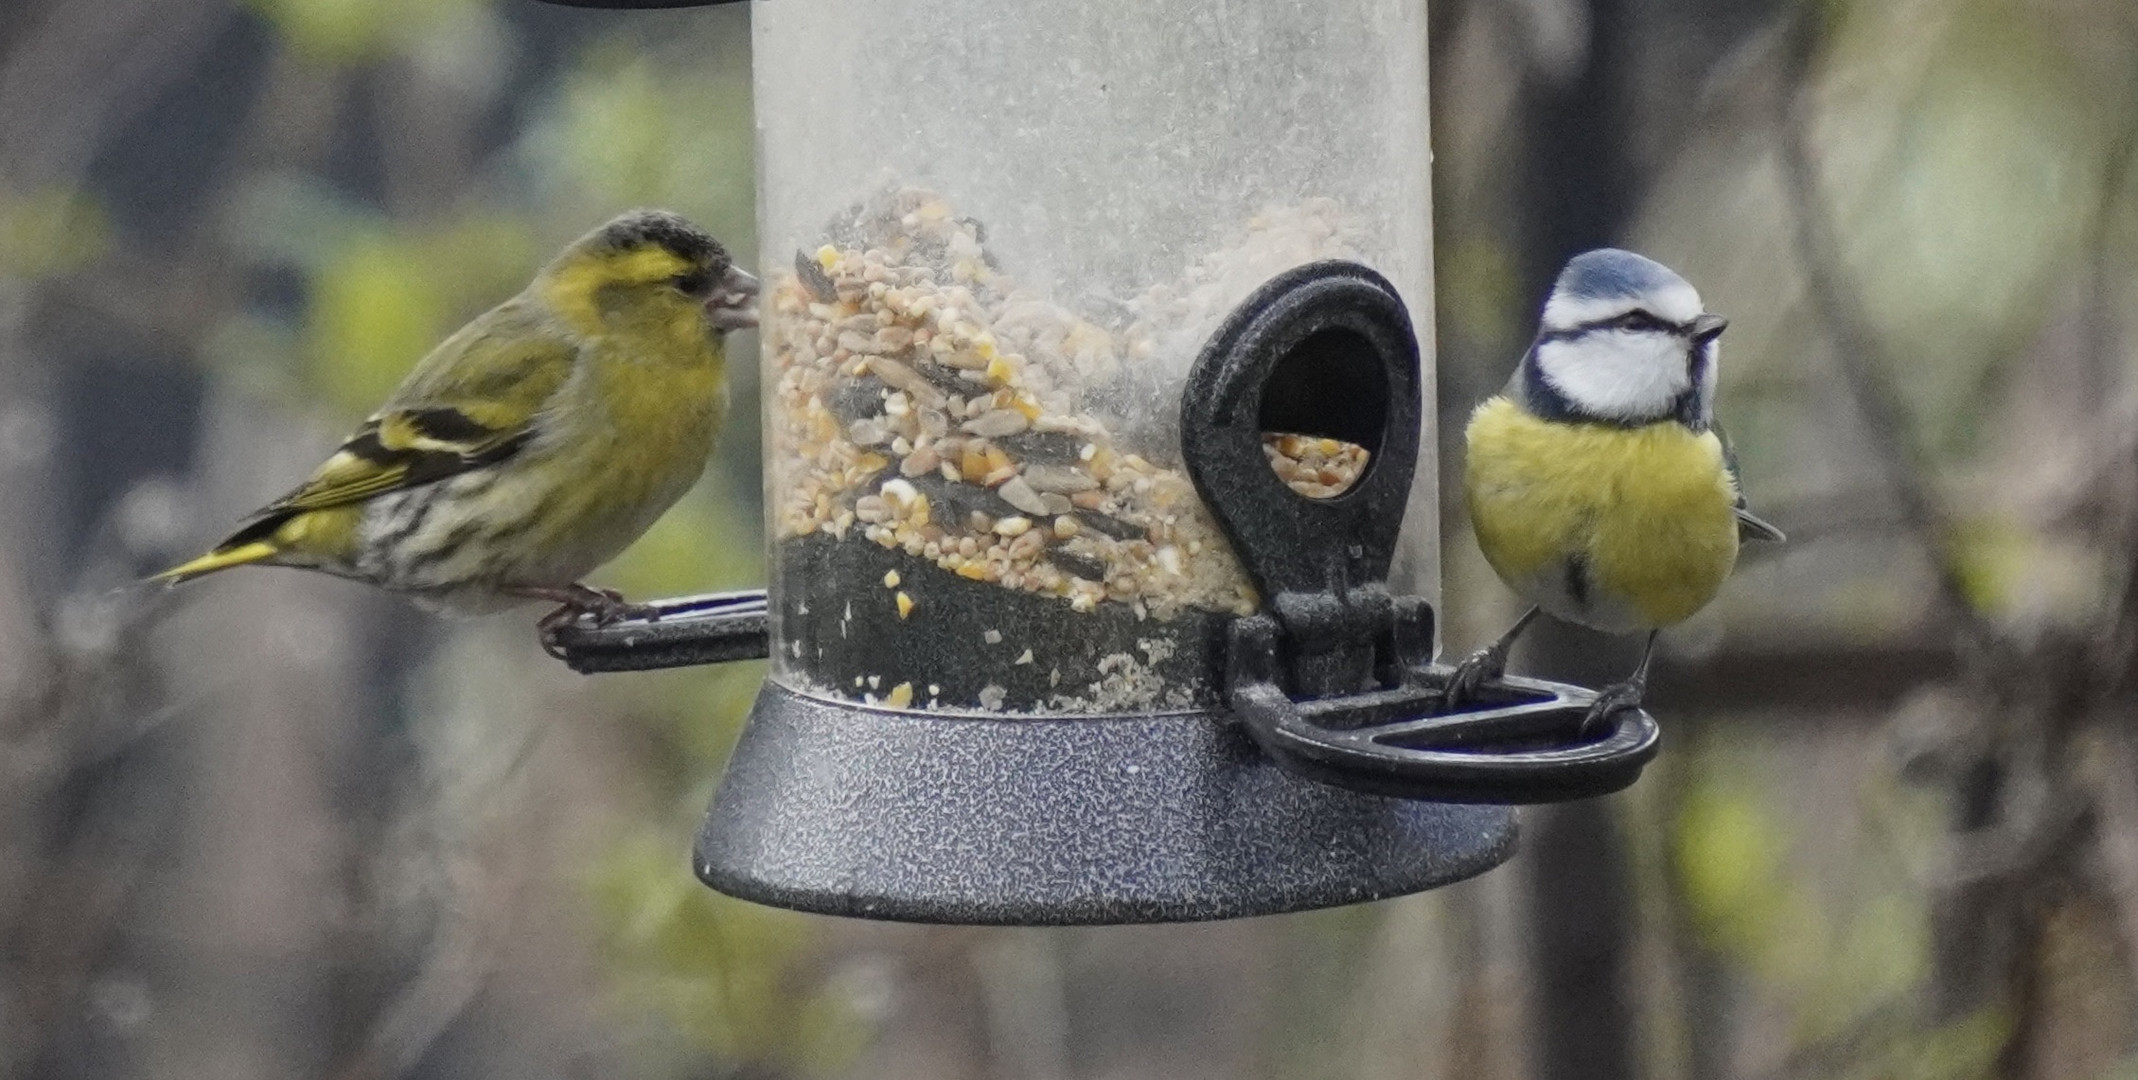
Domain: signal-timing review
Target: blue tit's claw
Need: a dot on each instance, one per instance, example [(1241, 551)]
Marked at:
[(1473, 673), (1611, 701)]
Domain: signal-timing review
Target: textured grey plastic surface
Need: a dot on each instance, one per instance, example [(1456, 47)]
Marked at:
[(845, 810)]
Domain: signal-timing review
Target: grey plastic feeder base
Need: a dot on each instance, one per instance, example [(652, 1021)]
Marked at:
[(842, 809)]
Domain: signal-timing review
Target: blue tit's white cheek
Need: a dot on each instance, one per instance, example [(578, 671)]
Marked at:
[(1617, 374)]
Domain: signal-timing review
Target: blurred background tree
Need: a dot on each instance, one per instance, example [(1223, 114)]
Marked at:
[(290, 828)]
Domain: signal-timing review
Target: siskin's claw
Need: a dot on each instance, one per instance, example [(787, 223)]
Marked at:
[(550, 644), (547, 627), (602, 607), (608, 606)]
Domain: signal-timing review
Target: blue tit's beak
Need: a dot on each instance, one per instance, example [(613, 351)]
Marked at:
[(1707, 327), (733, 304)]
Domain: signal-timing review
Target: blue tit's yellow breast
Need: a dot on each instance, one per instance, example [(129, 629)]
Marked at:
[(1618, 528)]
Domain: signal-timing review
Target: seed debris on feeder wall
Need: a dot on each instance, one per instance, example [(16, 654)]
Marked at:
[(926, 408), (916, 347)]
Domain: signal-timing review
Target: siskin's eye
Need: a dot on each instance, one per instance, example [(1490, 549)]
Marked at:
[(695, 283)]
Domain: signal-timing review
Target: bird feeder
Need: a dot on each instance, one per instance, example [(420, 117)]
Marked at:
[(1092, 406)]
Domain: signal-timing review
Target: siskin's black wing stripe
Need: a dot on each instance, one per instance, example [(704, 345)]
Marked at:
[(259, 528), (448, 425), (366, 444)]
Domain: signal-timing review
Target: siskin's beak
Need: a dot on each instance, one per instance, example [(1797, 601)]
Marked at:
[(1707, 327), (733, 305)]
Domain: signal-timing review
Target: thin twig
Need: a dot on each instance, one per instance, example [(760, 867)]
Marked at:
[(1860, 357), (2118, 476), (2115, 802)]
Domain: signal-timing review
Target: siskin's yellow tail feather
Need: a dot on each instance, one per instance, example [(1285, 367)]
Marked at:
[(219, 559)]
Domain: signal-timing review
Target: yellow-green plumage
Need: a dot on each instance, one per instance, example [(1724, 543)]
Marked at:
[(1648, 512), (536, 442)]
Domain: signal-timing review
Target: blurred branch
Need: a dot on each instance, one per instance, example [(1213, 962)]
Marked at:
[(1876, 1028), (2115, 798), (2021, 819), (1860, 356), (2117, 478), (76, 814), (57, 105), (1985, 938), (461, 957), (1807, 683), (78, 820)]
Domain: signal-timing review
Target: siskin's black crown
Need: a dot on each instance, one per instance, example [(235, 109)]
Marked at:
[(641, 228)]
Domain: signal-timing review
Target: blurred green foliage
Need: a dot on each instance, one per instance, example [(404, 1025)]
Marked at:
[(49, 231), (385, 295), (1835, 949), (647, 119), (1963, 149), (1966, 1049), (719, 969), (350, 32)]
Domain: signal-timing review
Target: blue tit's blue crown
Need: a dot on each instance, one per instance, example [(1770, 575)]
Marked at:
[(1611, 274), (1599, 286)]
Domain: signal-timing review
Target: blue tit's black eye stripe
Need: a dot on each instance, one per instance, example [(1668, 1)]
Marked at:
[(1638, 320)]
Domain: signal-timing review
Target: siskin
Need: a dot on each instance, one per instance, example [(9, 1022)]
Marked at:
[(532, 445)]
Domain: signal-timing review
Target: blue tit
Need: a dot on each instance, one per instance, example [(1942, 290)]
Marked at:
[(1600, 488)]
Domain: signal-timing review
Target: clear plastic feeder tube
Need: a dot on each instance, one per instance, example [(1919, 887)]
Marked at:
[(997, 236)]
